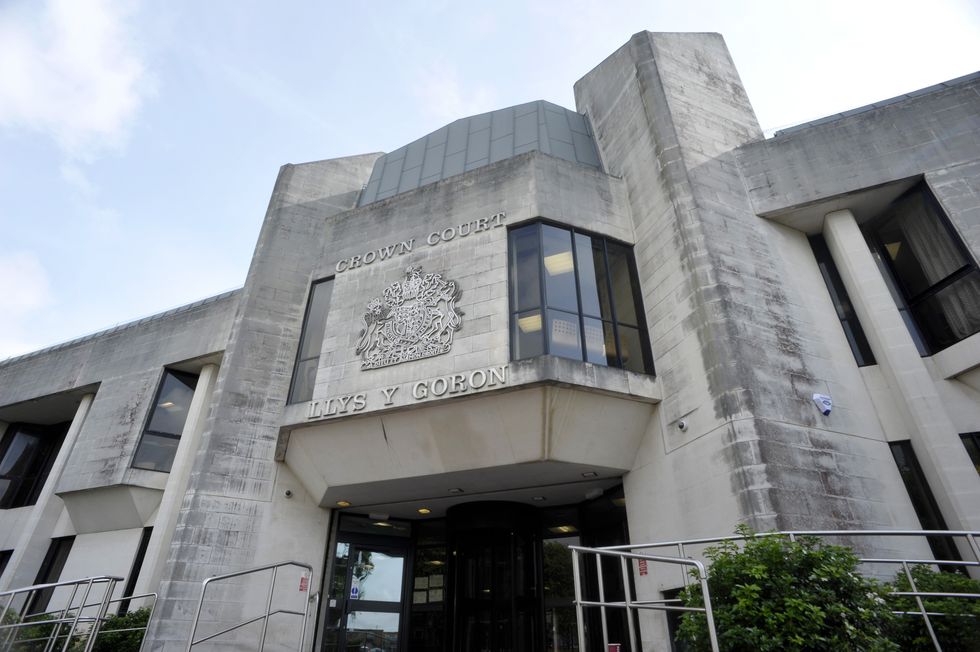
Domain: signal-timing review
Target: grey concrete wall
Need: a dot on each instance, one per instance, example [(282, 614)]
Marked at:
[(736, 355), (525, 187), (126, 363), (928, 132), (232, 503)]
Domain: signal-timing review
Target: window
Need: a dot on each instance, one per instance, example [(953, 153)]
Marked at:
[(49, 573), (842, 303), (937, 277), (27, 452), (972, 442), (5, 556), (575, 296), (158, 446), (310, 342), (924, 503)]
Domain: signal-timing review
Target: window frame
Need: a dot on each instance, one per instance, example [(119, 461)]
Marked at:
[(544, 308), (291, 398), (152, 411), (907, 302), (974, 453), (52, 438)]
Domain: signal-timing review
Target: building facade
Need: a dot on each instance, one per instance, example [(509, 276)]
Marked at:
[(531, 328)]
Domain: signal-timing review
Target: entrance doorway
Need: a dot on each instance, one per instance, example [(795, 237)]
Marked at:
[(482, 577)]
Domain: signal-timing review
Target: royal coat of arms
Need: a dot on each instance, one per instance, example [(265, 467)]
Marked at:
[(414, 319)]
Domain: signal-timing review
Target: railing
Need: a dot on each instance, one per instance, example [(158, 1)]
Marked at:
[(67, 622), (269, 612), (644, 552)]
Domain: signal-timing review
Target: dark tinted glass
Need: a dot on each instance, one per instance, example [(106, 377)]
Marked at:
[(622, 284), (173, 402), (27, 452), (631, 349), (559, 268), (525, 289), (316, 319), (600, 347), (21, 454), (842, 303), (156, 452), (563, 331), (585, 261), (528, 335), (952, 313), (304, 379), (972, 442), (50, 572), (918, 243), (923, 501)]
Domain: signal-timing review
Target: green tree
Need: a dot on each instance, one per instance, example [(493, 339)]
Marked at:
[(958, 630), (778, 594)]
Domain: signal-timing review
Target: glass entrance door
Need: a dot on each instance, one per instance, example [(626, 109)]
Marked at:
[(496, 578), (365, 608)]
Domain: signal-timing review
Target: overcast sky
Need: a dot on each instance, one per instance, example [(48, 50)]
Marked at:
[(139, 141)]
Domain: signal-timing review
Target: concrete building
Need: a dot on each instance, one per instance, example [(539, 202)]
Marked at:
[(530, 328)]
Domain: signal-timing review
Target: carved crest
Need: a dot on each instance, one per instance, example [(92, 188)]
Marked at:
[(413, 319)]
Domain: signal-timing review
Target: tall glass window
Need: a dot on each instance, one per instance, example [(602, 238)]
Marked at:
[(923, 501), (842, 303), (576, 296), (27, 452), (310, 342), (972, 442), (935, 273), (158, 446)]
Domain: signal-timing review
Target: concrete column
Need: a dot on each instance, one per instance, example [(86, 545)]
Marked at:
[(173, 494), (936, 443), (34, 540)]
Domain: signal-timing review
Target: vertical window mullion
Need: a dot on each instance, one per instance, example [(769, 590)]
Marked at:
[(612, 304), (542, 283), (578, 298)]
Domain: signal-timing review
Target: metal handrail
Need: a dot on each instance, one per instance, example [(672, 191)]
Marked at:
[(191, 642), (681, 547), (66, 617)]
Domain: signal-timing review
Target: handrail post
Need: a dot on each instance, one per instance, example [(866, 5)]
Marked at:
[(579, 609), (708, 613), (680, 554), (78, 614), (922, 607), (268, 609), (93, 633), (197, 615), (629, 607), (602, 599)]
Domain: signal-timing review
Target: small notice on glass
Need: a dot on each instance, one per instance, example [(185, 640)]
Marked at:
[(421, 582), (419, 597)]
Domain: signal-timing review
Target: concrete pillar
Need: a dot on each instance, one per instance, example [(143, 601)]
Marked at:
[(34, 540), (173, 494), (936, 443)]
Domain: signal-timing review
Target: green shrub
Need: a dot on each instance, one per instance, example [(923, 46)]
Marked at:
[(109, 641), (958, 631), (777, 594)]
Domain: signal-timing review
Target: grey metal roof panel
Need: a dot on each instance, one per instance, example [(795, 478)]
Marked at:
[(479, 140)]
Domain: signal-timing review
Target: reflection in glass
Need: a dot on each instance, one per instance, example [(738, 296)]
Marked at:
[(158, 446), (525, 288), (377, 575), (311, 342), (372, 631), (579, 310), (528, 335), (563, 330), (559, 268)]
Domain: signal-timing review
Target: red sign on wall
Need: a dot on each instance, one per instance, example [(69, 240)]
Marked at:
[(641, 565)]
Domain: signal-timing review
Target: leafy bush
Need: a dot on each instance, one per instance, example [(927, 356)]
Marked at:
[(777, 594), (957, 631), (109, 641)]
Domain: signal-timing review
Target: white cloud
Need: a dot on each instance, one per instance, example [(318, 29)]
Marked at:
[(68, 69)]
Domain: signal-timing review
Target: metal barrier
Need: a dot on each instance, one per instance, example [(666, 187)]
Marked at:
[(268, 605), (68, 622), (644, 552)]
